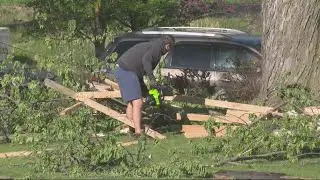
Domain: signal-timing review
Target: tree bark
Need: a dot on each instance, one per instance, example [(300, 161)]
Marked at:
[(99, 48), (290, 43)]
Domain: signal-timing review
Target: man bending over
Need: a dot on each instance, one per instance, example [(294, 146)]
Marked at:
[(139, 61)]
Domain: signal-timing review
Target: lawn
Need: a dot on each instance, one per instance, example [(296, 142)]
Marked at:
[(22, 167), (11, 2)]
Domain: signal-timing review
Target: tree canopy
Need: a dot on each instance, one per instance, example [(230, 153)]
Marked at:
[(92, 19)]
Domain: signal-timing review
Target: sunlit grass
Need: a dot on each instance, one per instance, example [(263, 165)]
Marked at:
[(7, 2), (240, 23)]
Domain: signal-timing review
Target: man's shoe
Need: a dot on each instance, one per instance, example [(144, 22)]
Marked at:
[(136, 136), (127, 130)]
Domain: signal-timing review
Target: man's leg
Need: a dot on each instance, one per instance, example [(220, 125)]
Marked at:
[(129, 114), (129, 111), (130, 90), (137, 107)]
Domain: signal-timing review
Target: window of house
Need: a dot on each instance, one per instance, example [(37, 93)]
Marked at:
[(188, 55)]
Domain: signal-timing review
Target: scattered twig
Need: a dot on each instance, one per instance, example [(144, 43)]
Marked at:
[(268, 112), (237, 164), (308, 154), (244, 158)]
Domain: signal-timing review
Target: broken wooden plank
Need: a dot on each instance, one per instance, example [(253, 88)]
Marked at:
[(124, 144), (66, 91), (80, 96), (194, 131), (196, 135), (28, 153), (199, 131), (97, 95), (113, 84), (99, 86), (15, 154), (218, 103), (312, 110), (109, 112), (240, 116), (228, 119), (116, 115), (193, 117), (70, 109)]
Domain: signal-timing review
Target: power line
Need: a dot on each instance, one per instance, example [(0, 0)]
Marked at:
[(14, 47)]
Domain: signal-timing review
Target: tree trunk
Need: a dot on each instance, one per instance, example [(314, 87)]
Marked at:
[(99, 48), (291, 38)]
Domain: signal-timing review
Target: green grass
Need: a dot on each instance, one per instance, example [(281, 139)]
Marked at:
[(10, 2), (23, 167), (11, 14), (14, 147)]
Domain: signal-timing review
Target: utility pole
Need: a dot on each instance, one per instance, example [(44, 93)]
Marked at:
[(4, 41)]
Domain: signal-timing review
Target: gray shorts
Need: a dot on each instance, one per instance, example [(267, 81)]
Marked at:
[(131, 87)]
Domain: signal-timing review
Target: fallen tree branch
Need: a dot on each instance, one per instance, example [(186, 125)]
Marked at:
[(244, 158)]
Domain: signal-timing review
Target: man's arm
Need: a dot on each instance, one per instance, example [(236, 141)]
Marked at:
[(147, 64)]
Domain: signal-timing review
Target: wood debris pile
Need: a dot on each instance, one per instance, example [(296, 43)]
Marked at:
[(237, 113)]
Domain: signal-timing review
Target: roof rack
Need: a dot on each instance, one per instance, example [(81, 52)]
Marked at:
[(185, 33), (198, 29)]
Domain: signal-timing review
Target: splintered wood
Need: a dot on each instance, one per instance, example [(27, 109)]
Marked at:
[(86, 98)]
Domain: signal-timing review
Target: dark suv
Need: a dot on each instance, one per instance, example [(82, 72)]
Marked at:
[(215, 50)]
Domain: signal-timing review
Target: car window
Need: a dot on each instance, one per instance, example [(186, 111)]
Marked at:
[(191, 55), (123, 46), (227, 56)]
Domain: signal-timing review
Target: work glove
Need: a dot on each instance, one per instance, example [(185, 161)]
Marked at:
[(152, 82)]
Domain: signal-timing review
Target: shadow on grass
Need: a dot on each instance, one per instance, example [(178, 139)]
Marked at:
[(24, 59)]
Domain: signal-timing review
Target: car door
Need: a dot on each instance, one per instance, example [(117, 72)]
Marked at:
[(236, 68), (217, 58)]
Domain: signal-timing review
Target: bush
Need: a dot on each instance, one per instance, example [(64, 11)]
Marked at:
[(191, 83)]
